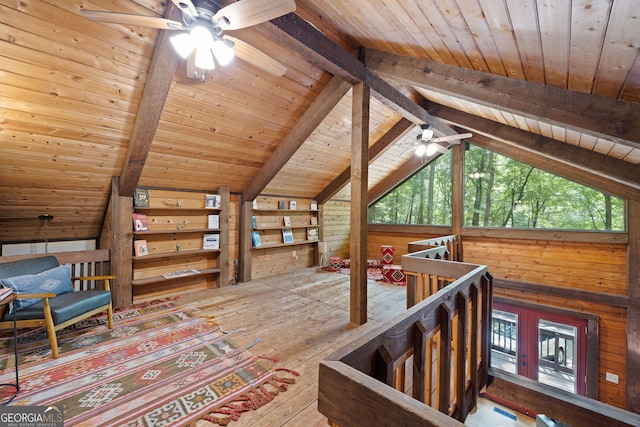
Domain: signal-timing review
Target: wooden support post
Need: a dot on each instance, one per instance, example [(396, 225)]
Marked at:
[(121, 245), (633, 312), (245, 243), (223, 260), (359, 184)]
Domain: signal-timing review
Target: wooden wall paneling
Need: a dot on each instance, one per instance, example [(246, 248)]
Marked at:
[(599, 267), (335, 227), (359, 201), (311, 118), (633, 313)]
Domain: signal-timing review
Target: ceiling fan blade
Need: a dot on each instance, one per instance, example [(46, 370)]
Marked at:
[(256, 57), (186, 6), (452, 137), (128, 19), (245, 13)]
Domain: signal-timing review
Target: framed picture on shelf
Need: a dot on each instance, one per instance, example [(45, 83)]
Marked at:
[(254, 222), (287, 221), (212, 201), (282, 204), (287, 235), (211, 241), (141, 198), (255, 238), (292, 205), (312, 233), (140, 247), (213, 221), (314, 220), (255, 203), (314, 205), (140, 221)]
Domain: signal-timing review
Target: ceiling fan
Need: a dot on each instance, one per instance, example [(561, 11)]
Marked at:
[(200, 36), (427, 146)]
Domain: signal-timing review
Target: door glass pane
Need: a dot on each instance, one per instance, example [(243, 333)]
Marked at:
[(557, 354), (504, 340)]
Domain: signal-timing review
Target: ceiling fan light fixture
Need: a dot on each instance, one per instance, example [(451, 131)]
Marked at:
[(204, 59), (434, 148), (222, 51), (201, 37), (183, 44), (421, 150)]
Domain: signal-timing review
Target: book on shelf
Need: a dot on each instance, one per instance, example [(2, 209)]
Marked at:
[(287, 221), (312, 233), (140, 221), (254, 222), (292, 205), (213, 221), (287, 235), (212, 201), (255, 238), (211, 241), (5, 292), (314, 205), (140, 247), (314, 220), (141, 198), (180, 273)]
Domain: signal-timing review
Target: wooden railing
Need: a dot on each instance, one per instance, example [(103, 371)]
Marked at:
[(83, 264), (444, 247), (426, 367)]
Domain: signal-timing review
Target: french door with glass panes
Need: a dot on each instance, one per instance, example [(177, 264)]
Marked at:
[(544, 346)]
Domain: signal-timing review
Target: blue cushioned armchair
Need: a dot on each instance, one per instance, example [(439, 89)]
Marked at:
[(54, 304)]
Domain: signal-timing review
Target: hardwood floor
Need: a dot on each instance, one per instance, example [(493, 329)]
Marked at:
[(301, 318)]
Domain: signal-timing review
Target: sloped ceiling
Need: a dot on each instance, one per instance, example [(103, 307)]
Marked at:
[(73, 106)]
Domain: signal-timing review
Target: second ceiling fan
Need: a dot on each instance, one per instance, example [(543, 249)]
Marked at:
[(201, 39)]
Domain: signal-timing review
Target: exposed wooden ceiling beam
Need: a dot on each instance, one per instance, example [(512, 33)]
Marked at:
[(163, 68), (394, 134), (603, 117), (300, 36), (601, 166), (312, 117)]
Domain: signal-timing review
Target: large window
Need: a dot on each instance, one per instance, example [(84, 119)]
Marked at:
[(501, 192), (425, 198)]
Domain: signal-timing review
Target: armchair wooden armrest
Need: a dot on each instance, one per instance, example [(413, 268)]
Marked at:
[(47, 295)]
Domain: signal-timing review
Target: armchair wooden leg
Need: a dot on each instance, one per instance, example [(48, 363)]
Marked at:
[(110, 316), (51, 329)]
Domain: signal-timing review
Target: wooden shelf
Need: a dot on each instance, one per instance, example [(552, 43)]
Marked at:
[(183, 231), (174, 210), (176, 254), (158, 279), (285, 226), (280, 245), (285, 210)]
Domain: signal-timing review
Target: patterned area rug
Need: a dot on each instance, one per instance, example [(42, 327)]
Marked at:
[(159, 366)]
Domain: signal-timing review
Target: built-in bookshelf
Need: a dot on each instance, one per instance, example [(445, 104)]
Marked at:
[(278, 222), (180, 237)]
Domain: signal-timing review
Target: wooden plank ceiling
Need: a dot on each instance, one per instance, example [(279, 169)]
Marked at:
[(71, 91)]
